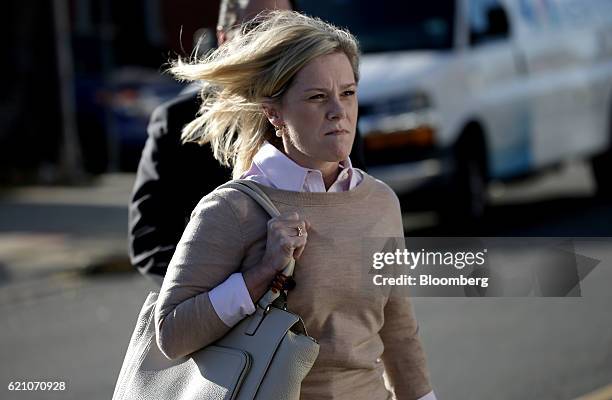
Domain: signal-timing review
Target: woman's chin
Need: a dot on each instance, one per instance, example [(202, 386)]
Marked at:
[(340, 150), (339, 155)]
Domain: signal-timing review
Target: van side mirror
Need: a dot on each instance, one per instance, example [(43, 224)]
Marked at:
[(497, 26)]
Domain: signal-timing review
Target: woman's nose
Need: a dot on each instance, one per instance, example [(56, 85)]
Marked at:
[(336, 110)]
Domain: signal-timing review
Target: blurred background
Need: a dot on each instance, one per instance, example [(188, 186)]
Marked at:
[(487, 117)]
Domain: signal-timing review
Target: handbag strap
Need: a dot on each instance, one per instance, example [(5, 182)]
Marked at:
[(252, 190)]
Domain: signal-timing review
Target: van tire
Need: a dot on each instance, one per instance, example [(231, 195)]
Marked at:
[(466, 200), (601, 167)]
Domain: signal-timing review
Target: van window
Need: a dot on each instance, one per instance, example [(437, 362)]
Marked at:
[(390, 25), (488, 22)]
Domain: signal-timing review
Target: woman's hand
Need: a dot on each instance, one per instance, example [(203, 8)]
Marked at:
[(287, 236), (284, 242)]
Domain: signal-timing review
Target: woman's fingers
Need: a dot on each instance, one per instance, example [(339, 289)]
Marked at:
[(289, 216), (297, 228), (301, 237), (289, 231), (291, 223), (297, 253), (291, 241)]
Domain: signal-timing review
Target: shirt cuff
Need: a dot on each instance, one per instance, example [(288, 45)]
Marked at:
[(429, 396), (231, 300)]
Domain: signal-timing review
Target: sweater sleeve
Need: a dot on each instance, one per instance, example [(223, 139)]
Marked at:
[(210, 250), (403, 355)]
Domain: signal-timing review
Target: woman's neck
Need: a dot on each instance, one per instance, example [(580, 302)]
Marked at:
[(330, 176), (329, 169)]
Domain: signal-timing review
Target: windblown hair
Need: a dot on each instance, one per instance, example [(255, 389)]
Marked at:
[(256, 66)]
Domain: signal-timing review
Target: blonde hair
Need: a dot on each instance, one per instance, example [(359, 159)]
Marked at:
[(255, 66)]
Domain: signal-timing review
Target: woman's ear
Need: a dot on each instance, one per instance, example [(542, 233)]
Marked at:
[(273, 115)]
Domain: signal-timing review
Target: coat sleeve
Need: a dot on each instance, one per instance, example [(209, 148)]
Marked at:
[(156, 217), (172, 178), (210, 250)]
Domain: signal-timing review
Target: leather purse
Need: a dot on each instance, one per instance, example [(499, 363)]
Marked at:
[(265, 356)]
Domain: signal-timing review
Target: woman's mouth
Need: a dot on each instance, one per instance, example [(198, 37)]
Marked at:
[(337, 132)]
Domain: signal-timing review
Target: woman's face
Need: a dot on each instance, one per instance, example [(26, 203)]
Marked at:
[(319, 112)]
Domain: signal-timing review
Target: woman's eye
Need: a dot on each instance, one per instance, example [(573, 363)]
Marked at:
[(317, 96), (349, 92)]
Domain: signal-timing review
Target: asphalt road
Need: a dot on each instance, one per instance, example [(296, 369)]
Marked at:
[(74, 328), (77, 331)]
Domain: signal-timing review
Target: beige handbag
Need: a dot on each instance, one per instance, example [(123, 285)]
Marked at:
[(265, 356)]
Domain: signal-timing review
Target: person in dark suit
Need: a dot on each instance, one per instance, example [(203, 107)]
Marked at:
[(168, 185), (169, 181)]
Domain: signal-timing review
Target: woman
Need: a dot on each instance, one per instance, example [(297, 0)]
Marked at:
[(284, 114)]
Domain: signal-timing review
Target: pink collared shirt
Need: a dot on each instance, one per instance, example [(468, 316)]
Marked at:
[(271, 167)]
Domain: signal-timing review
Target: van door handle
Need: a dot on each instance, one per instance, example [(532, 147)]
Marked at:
[(520, 62)]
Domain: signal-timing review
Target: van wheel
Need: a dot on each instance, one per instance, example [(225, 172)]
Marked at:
[(467, 192), (601, 167)]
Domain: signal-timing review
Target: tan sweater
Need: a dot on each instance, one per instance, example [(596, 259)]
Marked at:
[(355, 324)]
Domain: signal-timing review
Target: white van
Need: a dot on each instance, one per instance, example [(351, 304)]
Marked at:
[(456, 93)]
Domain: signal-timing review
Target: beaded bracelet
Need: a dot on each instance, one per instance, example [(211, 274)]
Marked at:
[(282, 282)]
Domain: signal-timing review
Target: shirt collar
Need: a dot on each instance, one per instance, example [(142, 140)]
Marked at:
[(286, 174)]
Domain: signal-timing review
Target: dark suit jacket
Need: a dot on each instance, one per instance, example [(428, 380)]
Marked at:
[(172, 178)]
